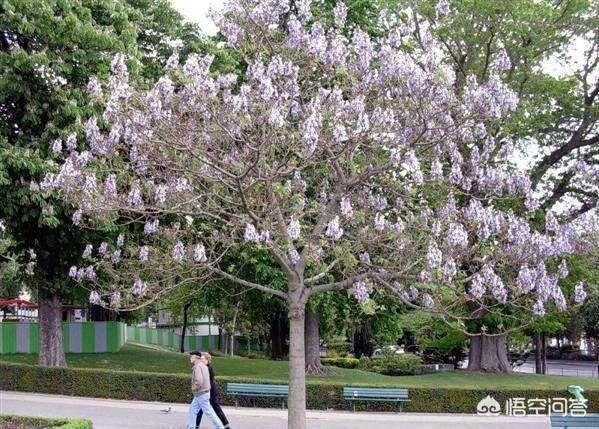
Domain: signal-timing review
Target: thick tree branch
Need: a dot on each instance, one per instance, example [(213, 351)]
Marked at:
[(558, 154), (343, 284), (559, 190), (248, 284)]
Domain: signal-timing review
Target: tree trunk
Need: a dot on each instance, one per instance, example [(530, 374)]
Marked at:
[(313, 364), (278, 332), (184, 331), (296, 415), (222, 340), (362, 341), (559, 347), (51, 352), (488, 353), (544, 353), (232, 336), (538, 360), (230, 345), (276, 343)]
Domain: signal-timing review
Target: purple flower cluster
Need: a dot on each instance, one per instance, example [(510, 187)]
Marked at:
[(139, 287), (178, 251), (361, 292), (334, 230), (143, 253), (199, 254)]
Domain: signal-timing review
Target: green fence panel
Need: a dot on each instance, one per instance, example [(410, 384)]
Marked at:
[(148, 336), (88, 337), (112, 337), (34, 337), (192, 343), (9, 345)]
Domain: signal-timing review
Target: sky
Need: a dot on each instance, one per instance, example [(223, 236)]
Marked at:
[(195, 10)]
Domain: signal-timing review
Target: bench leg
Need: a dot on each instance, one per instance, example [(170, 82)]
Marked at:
[(354, 405)]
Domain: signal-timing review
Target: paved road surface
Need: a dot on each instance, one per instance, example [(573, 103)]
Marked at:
[(113, 414), (573, 368), (564, 367)]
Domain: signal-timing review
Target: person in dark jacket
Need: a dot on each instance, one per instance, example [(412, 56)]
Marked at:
[(213, 396)]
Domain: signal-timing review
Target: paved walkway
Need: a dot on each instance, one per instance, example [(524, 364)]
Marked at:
[(114, 414)]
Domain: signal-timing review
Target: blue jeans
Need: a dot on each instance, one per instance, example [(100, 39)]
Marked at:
[(202, 402)]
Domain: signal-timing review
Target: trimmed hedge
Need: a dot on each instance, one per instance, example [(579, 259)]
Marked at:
[(45, 423), (342, 362), (392, 364), (175, 388), (405, 364)]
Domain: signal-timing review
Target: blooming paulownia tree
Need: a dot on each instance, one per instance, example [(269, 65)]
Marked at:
[(346, 158)]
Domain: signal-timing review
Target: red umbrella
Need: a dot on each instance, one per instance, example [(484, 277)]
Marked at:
[(19, 303)]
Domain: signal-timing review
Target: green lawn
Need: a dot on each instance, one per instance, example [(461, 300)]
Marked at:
[(139, 358), (23, 422)]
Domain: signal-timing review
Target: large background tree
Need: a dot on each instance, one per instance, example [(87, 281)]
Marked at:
[(49, 50), (554, 127)]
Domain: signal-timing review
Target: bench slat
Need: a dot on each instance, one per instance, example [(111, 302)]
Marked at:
[(246, 389), (375, 394), (268, 389), (365, 390), (402, 398)]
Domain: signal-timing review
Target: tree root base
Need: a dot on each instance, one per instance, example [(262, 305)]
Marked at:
[(319, 370), (488, 353)]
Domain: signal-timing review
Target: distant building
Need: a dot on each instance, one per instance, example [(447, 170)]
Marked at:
[(195, 326)]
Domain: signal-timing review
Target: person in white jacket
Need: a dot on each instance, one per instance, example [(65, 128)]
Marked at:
[(200, 387)]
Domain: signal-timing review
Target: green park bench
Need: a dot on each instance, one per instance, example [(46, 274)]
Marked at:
[(355, 394), (587, 421), (565, 422), (268, 390)]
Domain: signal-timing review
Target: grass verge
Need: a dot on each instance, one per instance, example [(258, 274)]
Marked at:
[(22, 422)]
